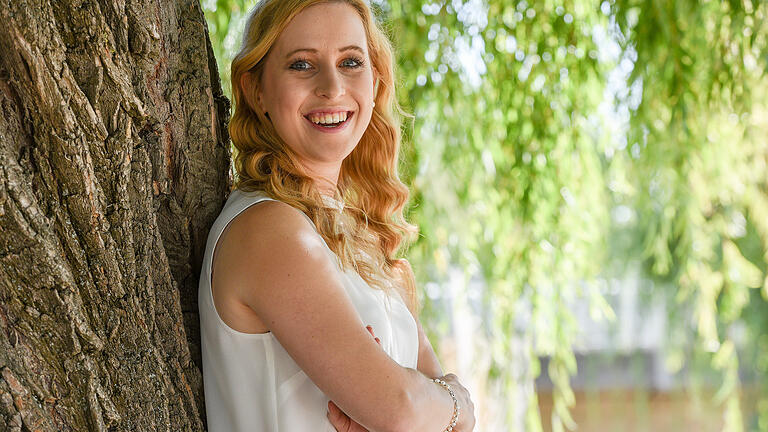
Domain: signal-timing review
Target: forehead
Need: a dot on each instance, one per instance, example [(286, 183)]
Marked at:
[(323, 26)]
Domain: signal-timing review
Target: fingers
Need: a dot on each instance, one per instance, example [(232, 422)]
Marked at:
[(336, 417), (370, 330)]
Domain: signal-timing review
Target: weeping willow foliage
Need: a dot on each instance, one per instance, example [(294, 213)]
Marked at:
[(534, 122), (700, 178)]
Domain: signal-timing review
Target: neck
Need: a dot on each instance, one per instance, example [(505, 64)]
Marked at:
[(326, 180)]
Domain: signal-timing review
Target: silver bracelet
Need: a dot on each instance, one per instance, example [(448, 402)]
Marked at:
[(455, 417)]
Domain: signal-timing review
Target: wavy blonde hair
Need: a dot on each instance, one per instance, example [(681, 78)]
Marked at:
[(369, 232)]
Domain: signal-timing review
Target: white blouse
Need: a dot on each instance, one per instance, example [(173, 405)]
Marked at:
[(251, 383)]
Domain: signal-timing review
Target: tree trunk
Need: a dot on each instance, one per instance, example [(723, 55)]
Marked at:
[(114, 162)]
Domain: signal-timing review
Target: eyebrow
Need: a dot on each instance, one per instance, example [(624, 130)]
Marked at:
[(312, 50)]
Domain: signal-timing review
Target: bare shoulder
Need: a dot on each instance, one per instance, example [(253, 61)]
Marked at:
[(244, 250), (271, 238), (272, 217)]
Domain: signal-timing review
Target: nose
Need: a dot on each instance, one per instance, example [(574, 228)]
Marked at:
[(330, 84)]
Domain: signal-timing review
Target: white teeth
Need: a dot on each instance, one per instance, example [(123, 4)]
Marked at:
[(329, 118)]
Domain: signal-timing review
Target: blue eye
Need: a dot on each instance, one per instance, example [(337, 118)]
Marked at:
[(297, 65), (353, 62)]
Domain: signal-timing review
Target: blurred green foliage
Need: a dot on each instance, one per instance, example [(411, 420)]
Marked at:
[(556, 141)]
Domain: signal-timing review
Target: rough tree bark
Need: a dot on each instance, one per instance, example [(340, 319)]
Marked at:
[(114, 161)]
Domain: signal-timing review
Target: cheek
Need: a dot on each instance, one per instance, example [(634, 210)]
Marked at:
[(280, 93), (363, 84), (288, 98), (286, 112)]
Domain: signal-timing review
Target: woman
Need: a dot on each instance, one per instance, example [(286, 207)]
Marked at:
[(308, 321)]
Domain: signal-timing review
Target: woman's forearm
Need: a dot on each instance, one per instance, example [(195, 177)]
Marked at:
[(428, 363), (430, 406)]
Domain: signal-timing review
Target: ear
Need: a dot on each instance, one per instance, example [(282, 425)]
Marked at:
[(375, 83), (252, 92)]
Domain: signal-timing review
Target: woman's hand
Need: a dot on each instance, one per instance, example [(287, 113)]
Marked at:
[(466, 421), (338, 418)]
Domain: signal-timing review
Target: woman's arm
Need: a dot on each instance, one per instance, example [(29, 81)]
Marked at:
[(287, 276), (428, 363)]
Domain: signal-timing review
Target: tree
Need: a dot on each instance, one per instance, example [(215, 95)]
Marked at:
[(114, 162)]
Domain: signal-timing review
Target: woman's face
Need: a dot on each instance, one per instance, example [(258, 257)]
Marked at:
[(317, 85)]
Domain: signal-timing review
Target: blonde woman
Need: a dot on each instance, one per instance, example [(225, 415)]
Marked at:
[(308, 321)]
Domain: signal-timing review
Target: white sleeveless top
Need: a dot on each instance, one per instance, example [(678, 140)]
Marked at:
[(251, 383)]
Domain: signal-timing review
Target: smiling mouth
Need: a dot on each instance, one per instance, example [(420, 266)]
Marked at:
[(330, 121)]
